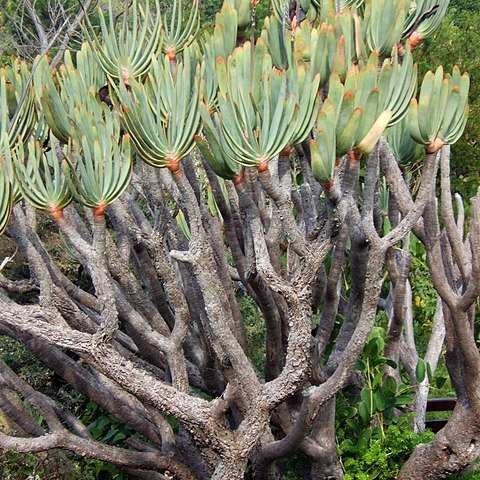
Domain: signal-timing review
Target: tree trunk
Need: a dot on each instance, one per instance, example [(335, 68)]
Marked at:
[(325, 465), (453, 449), (432, 356), (329, 470), (231, 469)]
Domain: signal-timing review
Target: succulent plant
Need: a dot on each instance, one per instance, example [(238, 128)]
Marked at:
[(6, 198), (40, 179), (423, 19), (162, 116), (208, 78), (220, 44), (98, 168), (255, 100), (177, 33), (244, 12), (347, 116), (348, 48), (17, 109), (289, 18), (323, 147), (399, 139), (334, 46), (357, 111), (257, 114), (324, 46), (225, 34), (90, 76), (213, 154), (383, 25), (6, 162), (304, 84), (301, 79), (365, 104), (330, 47), (440, 114), (17, 120), (352, 3), (291, 51), (385, 101), (324, 6), (41, 133), (53, 108), (61, 92), (127, 54), (279, 42)]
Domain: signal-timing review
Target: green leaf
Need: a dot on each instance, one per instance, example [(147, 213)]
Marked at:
[(183, 225), (353, 424), (365, 394), (360, 365), (364, 439), (374, 347), (350, 412), (403, 400), (111, 433), (379, 401), (440, 382), (390, 386), (420, 370), (364, 412), (377, 379), (119, 436)]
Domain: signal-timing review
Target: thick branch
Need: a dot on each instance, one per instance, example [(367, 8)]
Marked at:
[(97, 450)]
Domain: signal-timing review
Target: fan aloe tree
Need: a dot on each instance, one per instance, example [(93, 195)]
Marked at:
[(196, 177)]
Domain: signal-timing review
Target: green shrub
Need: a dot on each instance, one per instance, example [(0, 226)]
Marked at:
[(373, 440), (383, 458)]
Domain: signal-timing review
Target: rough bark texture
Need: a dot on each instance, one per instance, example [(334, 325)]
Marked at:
[(454, 448), (220, 319), (149, 350)]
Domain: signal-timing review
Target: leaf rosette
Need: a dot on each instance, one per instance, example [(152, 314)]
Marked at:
[(162, 116)]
